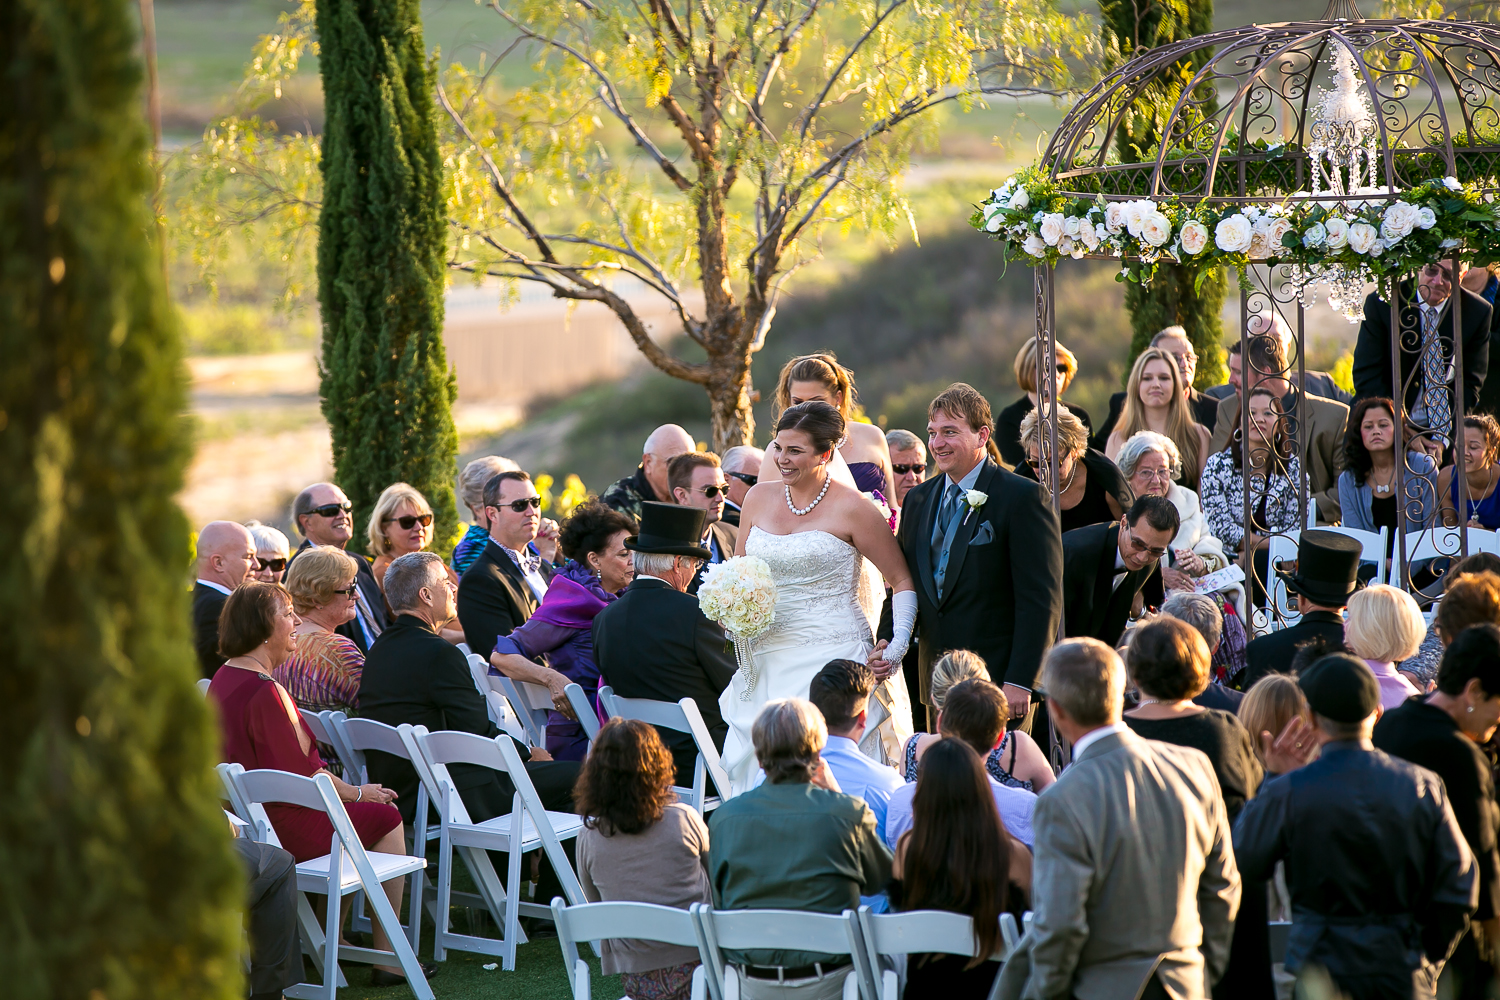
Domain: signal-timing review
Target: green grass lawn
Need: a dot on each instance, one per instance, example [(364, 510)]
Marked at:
[(539, 975)]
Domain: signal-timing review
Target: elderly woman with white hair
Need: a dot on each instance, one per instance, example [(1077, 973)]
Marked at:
[(272, 552), (1151, 465)]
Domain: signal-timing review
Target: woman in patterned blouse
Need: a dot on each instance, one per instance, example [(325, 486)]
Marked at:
[(323, 672)]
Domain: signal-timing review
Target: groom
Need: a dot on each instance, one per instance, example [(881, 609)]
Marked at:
[(988, 571)]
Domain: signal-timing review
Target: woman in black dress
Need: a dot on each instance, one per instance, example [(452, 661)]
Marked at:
[(958, 857), (1168, 663), (1092, 487), (1008, 420)]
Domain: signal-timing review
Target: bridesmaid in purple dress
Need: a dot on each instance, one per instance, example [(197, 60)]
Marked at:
[(560, 632)]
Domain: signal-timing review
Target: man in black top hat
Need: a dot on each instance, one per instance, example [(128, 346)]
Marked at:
[(1381, 879), (1326, 576), (654, 642)]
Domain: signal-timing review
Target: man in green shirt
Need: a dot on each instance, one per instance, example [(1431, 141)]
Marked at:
[(794, 843)]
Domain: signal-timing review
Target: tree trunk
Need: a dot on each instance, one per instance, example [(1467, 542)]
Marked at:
[(729, 403), (115, 867), (1172, 301)]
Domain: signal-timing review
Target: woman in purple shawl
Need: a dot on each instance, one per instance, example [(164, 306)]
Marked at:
[(561, 630)]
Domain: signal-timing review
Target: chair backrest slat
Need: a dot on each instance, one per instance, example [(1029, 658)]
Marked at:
[(796, 930), (587, 718)]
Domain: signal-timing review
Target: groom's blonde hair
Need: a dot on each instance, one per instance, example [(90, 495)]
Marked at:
[(789, 735)]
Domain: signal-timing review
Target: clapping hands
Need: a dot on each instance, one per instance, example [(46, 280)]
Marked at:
[(1295, 747)]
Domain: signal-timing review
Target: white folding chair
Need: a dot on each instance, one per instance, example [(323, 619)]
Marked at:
[(783, 930), (526, 827), (462, 647), (682, 717), (1434, 543), (347, 868), (1280, 548), (502, 712), (640, 921), (918, 932), (325, 731), (203, 686), (1372, 547), (587, 717), (532, 702)]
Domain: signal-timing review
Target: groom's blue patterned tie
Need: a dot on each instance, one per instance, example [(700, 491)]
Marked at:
[(947, 513)]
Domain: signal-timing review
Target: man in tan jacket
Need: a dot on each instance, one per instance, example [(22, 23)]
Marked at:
[(1134, 886)]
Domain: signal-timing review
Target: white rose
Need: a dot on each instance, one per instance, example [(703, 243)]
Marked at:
[(1378, 248), (1362, 237), (1450, 243), (1090, 237), (1233, 234), (1071, 225), (1135, 213), (1114, 218), (1451, 183), (1194, 237), (976, 498), (1034, 246), (1156, 229), (1065, 245), (1399, 219), (1426, 218), (1390, 232), (1019, 201), (1260, 239), (994, 224), (1338, 232), (1315, 235), (1051, 228)]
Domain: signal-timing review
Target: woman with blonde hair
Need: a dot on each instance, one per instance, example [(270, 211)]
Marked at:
[(1385, 626), (402, 523), (1268, 708), (1017, 761), (1008, 420), (1155, 400), (324, 670), (1092, 489), (863, 451)]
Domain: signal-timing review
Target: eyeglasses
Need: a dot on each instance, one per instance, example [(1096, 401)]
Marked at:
[(332, 509), (1140, 546), (274, 565), (744, 477), (519, 506), (349, 591), (1062, 369), (1161, 474), (410, 521), (712, 491), (917, 467)]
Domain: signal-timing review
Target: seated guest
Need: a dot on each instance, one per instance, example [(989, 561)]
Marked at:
[(698, 481), (1156, 400), (323, 515), (958, 857), (322, 674), (654, 641), (400, 523), (649, 483), (1367, 486), (1327, 575), (1481, 501), (1017, 761), (742, 468), (1207, 616), (639, 844), (471, 490), (275, 947), (975, 712), (794, 842), (1091, 488), (263, 730), (1266, 712), (908, 461), (1478, 602), (1150, 462), (841, 691), (1106, 565), (272, 552), (509, 578), (561, 630), (1202, 407), (1008, 420), (226, 558), (1385, 626)]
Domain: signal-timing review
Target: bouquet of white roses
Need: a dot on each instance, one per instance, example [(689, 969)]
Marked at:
[(740, 595)]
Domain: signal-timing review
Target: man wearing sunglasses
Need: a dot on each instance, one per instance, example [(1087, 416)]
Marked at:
[(908, 461), (742, 468), (1106, 565), (324, 516), (507, 582), (226, 559), (698, 481)]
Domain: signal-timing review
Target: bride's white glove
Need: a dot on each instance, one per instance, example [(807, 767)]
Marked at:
[(903, 620)]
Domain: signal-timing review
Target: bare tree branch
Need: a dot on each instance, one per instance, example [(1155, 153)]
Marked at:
[(812, 109)]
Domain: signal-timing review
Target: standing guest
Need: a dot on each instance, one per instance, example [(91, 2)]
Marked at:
[(1475, 582), (226, 558), (841, 692), (1156, 400), (1482, 281), (322, 674), (908, 461), (1134, 885), (1201, 407), (1106, 565), (1016, 762), (1315, 382), (272, 552), (471, 489), (561, 630), (1443, 732), (1381, 880), (654, 641), (990, 579), (820, 377), (794, 842), (1367, 486), (1481, 500), (649, 482), (974, 712), (1327, 575), (1268, 709), (1090, 487), (958, 857), (639, 844), (1150, 463), (1206, 615), (1008, 421), (698, 481), (509, 579), (1385, 626), (742, 468), (263, 730), (323, 516)]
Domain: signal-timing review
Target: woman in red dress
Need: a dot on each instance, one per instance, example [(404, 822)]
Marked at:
[(262, 729)]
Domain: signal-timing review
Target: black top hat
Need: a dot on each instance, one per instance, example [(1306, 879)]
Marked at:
[(670, 529), (1327, 568)]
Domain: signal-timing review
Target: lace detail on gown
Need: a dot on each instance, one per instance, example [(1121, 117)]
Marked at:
[(818, 583)]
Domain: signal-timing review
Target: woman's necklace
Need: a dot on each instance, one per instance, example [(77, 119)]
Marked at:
[(1473, 505), (804, 511), (1071, 474), (1386, 486)]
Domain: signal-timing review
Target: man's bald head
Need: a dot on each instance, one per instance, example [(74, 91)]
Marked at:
[(226, 553), (665, 443)]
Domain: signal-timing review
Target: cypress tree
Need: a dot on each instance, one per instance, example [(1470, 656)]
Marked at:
[(116, 876), (387, 391)]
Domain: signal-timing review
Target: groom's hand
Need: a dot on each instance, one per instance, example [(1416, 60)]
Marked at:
[(877, 663), (1019, 699)]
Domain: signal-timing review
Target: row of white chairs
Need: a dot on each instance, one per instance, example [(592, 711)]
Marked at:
[(875, 943)]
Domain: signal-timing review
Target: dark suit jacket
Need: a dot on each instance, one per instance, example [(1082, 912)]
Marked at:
[(1205, 410), (364, 579), (731, 515), (1003, 591), (654, 643), (1090, 608), (1372, 351), (1273, 651), (1318, 383), (725, 536), (207, 604), (493, 598)]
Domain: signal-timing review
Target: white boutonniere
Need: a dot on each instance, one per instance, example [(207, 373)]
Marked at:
[(974, 499)]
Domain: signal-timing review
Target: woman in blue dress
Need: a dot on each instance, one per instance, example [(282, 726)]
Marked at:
[(1480, 503)]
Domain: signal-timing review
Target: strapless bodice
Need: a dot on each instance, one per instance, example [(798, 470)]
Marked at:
[(817, 585)]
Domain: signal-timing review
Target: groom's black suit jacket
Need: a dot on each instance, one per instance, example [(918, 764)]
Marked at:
[(1003, 597)]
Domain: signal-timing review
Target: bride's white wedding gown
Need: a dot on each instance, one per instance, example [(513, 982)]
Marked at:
[(828, 601)]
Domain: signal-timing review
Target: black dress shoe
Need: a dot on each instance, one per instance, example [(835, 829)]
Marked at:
[(379, 977)]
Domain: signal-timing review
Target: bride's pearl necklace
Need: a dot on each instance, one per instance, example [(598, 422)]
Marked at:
[(803, 511)]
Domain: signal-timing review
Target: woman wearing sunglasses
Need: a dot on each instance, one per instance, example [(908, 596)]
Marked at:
[(272, 552), (1008, 420), (323, 672), (400, 523)]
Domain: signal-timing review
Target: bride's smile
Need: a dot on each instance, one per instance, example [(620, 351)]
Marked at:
[(797, 460)]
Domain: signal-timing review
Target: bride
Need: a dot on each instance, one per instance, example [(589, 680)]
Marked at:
[(815, 533)]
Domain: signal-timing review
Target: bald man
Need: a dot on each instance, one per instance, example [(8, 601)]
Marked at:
[(226, 558), (650, 480)]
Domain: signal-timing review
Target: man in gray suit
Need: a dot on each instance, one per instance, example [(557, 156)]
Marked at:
[(1134, 886)]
